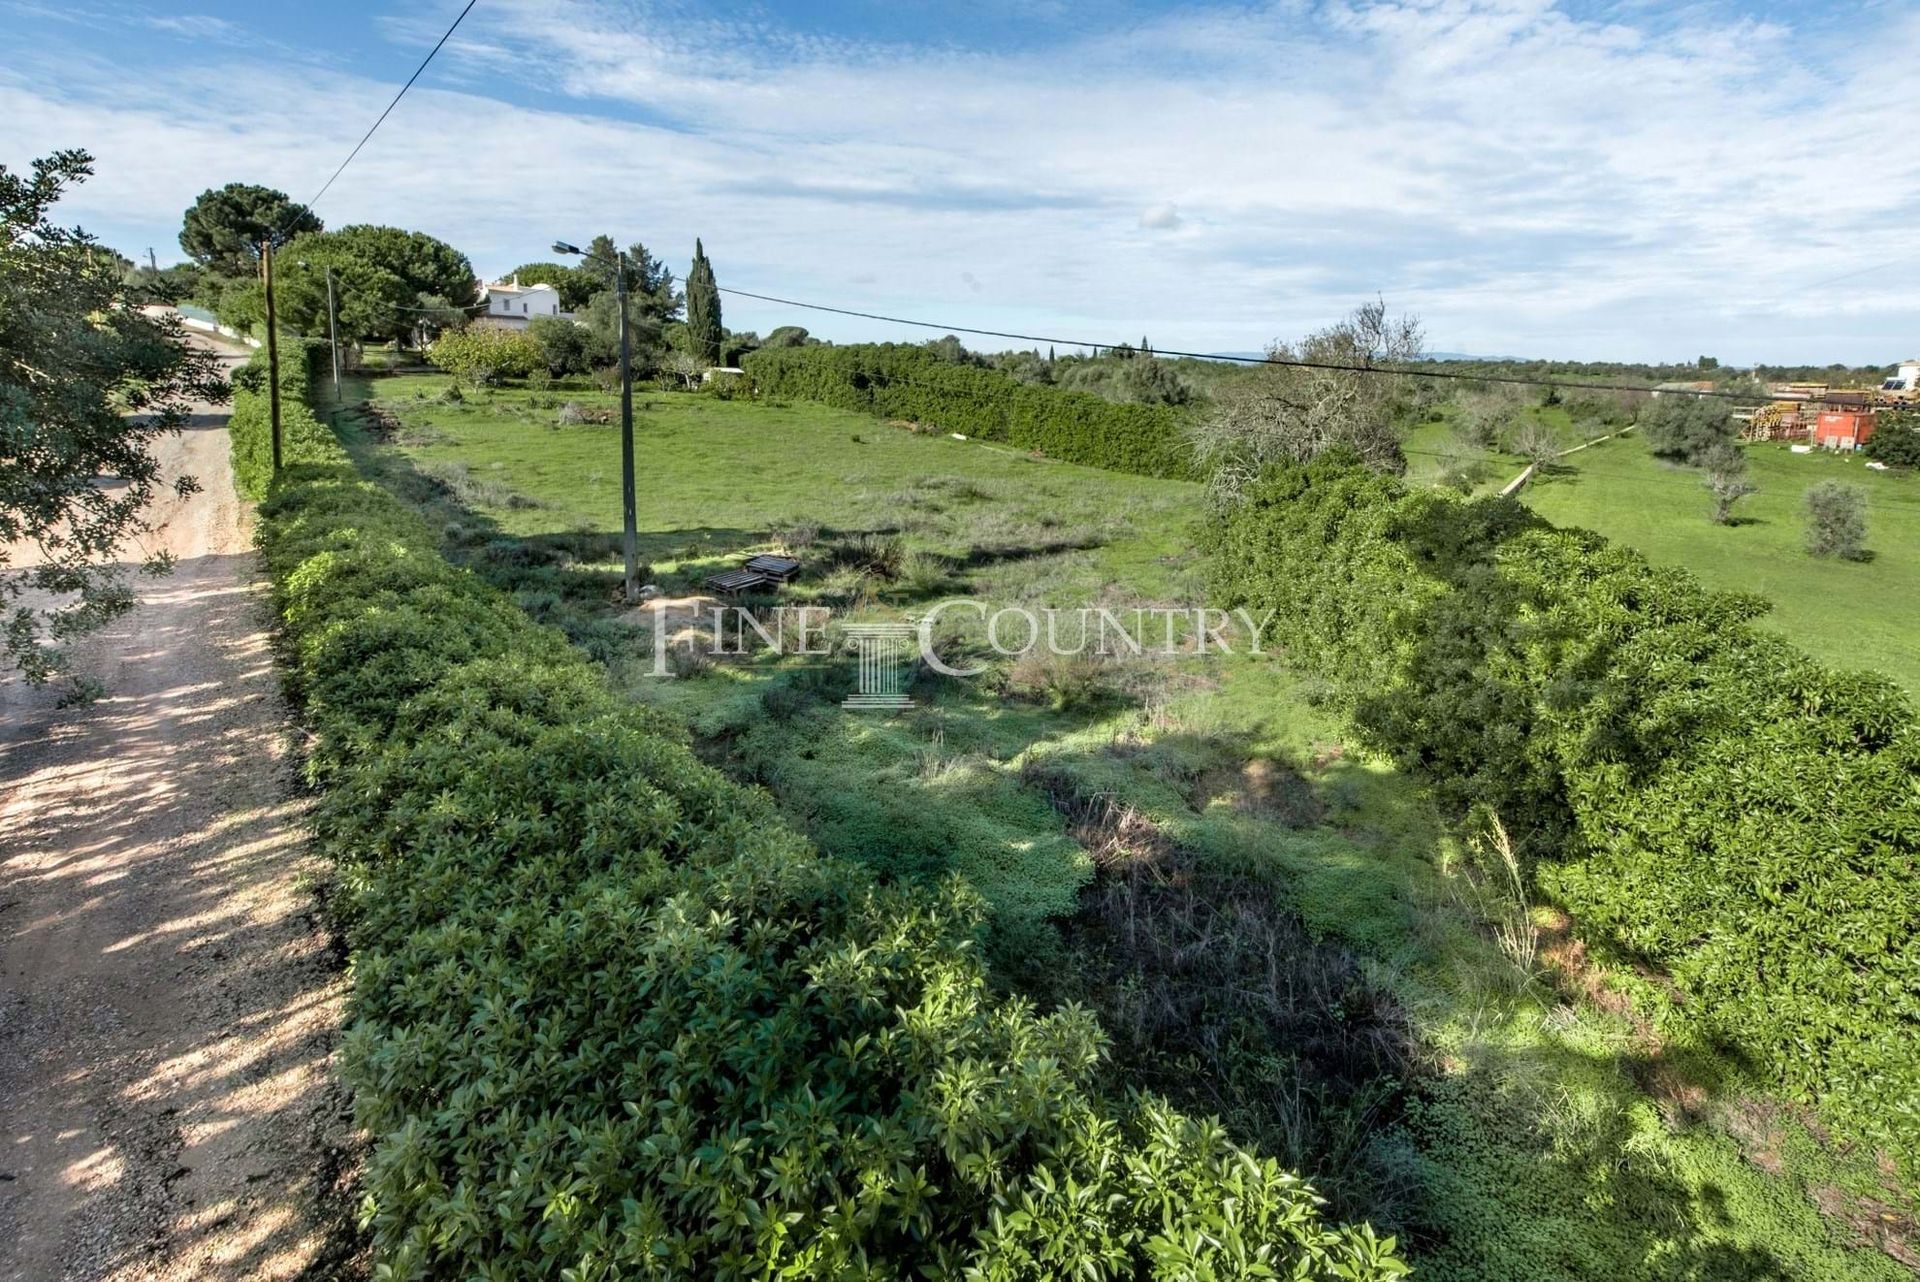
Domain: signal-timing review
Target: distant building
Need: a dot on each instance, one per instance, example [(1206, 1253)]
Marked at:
[(1797, 391), (511, 305), (1843, 429), (1905, 379), (1704, 385)]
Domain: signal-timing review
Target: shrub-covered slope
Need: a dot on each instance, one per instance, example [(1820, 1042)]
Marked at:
[(1695, 791), (612, 1017)]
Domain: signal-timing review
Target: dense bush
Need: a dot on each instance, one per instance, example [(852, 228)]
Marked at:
[(1897, 441), (483, 354), (912, 382), (1693, 789), (568, 348), (611, 1017)]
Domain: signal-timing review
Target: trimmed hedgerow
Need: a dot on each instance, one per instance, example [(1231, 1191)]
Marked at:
[(303, 439), (611, 1017), (900, 381), (1694, 790)]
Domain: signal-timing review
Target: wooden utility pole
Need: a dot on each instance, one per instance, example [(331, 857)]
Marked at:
[(273, 348)]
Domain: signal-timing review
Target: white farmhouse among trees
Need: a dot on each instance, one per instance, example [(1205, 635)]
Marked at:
[(511, 305)]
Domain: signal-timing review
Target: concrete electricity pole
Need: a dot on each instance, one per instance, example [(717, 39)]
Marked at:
[(628, 496), (333, 335), (273, 348)]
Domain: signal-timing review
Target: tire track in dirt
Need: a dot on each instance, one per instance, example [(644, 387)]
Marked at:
[(169, 1001)]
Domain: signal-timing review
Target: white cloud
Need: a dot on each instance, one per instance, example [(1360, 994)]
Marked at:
[(194, 26), (1162, 217), (1653, 185)]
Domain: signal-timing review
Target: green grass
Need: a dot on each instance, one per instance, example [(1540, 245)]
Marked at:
[(1850, 614), (717, 476), (1537, 1132)]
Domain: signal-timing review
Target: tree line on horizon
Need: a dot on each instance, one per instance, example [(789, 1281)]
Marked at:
[(394, 286)]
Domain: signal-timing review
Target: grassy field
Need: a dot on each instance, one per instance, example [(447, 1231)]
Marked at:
[(1851, 614), (717, 476), (1271, 928)]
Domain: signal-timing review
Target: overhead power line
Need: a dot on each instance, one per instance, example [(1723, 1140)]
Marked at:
[(1398, 371), (308, 207)]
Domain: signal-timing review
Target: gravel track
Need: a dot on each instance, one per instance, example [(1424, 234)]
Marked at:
[(169, 1001)]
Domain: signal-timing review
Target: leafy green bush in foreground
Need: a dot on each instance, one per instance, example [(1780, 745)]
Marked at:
[(1696, 791), (612, 1018)]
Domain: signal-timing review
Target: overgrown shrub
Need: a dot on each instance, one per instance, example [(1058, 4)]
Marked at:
[(483, 354), (1897, 440), (1694, 790), (914, 383), (877, 554), (612, 1017), (1063, 682), (1836, 520)]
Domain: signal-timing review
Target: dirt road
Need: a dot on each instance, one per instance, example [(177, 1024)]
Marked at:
[(168, 1004)]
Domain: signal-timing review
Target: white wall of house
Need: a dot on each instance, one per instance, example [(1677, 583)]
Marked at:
[(514, 305)]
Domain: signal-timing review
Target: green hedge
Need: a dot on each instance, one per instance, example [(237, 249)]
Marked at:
[(1693, 789), (611, 1017), (303, 439), (907, 382)]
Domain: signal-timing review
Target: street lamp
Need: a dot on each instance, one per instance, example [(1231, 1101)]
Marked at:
[(619, 265)]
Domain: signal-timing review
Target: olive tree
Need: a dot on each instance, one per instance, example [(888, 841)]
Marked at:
[(1684, 427), (1282, 412), (1726, 468), (88, 384), (687, 367), (1535, 442), (1836, 521)]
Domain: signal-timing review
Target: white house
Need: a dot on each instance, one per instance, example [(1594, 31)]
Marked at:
[(1905, 379), (511, 305)]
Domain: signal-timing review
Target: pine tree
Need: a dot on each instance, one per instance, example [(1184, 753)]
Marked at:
[(704, 330)]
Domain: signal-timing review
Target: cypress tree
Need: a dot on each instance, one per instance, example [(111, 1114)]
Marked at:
[(704, 330)]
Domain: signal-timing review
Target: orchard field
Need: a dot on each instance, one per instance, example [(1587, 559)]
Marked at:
[(1849, 614)]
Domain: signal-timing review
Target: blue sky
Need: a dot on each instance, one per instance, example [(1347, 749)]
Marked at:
[(1628, 181)]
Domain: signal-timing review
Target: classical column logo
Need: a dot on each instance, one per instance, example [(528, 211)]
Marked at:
[(885, 651)]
